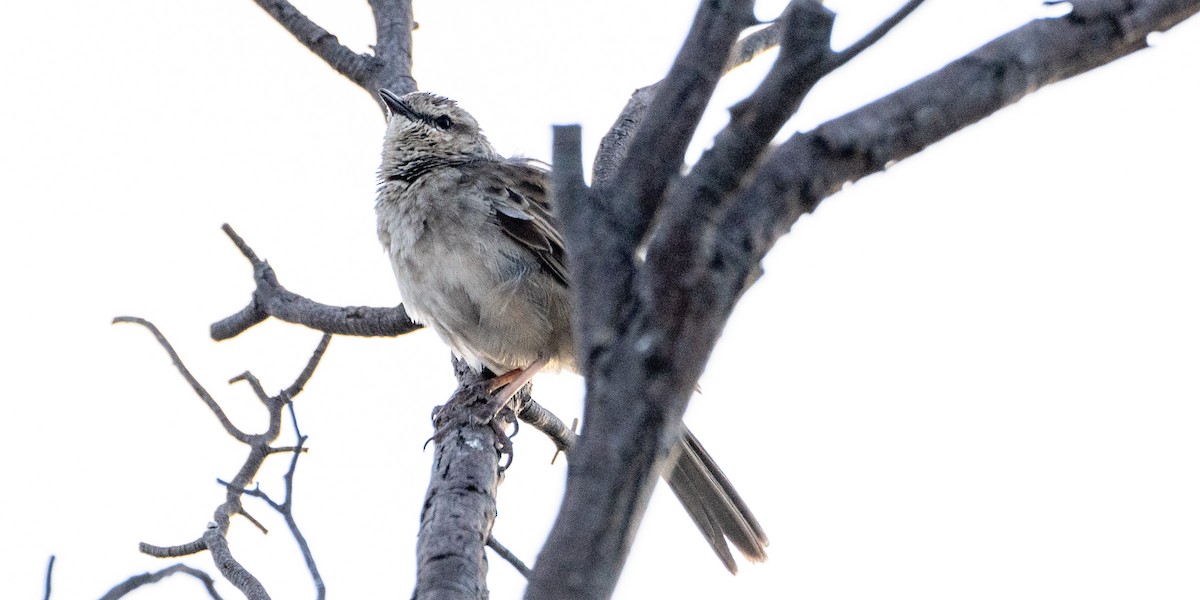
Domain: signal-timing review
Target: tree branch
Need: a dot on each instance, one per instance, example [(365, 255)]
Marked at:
[(49, 576), (212, 405), (271, 299), (615, 144), (137, 581), (393, 47), (460, 504), (509, 557), (391, 65), (355, 67), (584, 554), (812, 166), (213, 539)]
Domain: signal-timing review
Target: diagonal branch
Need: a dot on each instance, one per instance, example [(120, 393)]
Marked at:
[(812, 166), (271, 299), (393, 47), (615, 144), (389, 67), (881, 30), (604, 234), (137, 581), (611, 224), (354, 66), (214, 537), (212, 405)]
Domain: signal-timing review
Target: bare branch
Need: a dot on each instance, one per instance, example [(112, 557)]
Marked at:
[(187, 549), (271, 299), (137, 581), (393, 47), (876, 34), (615, 144), (809, 167), (49, 576), (389, 67), (694, 206), (753, 44), (509, 557), (298, 386), (213, 538), (602, 237), (460, 505), (545, 421), (610, 226), (355, 67), (243, 580), (232, 430)]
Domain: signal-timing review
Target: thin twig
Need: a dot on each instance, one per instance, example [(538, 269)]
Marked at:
[(137, 581), (866, 41), (214, 539), (509, 557), (49, 576), (232, 430), (298, 386)]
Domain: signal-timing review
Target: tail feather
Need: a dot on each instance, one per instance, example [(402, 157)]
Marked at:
[(714, 505)]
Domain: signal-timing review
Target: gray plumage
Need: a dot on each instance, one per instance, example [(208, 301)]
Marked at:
[(479, 259)]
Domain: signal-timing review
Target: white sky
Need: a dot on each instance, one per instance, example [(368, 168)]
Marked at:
[(972, 376)]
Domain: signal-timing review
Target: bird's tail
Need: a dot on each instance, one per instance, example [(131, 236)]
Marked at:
[(714, 505)]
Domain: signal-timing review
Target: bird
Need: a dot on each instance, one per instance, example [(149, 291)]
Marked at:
[(479, 258)]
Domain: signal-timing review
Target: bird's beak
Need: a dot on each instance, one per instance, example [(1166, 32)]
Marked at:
[(396, 106)]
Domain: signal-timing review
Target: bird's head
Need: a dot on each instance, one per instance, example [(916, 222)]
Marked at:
[(426, 131)]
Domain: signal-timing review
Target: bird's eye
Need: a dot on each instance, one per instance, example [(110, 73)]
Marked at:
[(443, 122)]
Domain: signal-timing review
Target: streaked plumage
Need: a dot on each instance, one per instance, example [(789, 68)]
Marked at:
[(479, 259)]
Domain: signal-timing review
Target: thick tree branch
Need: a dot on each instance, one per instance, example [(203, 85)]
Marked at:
[(460, 504), (393, 47), (584, 555), (271, 299), (611, 224), (615, 144), (811, 166), (391, 65), (355, 67), (653, 347)]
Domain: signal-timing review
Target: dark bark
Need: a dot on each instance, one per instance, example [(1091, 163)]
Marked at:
[(390, 66), (647, 330), (271, 299), (460, 505)]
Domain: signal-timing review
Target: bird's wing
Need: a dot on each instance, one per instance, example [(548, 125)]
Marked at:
[(518, 193)]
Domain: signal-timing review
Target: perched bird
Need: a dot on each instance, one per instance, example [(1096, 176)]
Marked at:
[(479, 259)]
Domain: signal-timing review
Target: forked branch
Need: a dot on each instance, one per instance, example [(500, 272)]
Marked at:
[(213, 538)]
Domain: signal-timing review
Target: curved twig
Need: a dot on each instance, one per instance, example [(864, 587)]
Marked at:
[(213, 539), (230, 428), (137, 581)]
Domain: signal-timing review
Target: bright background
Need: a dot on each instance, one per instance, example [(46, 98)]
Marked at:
[(972, 376)]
